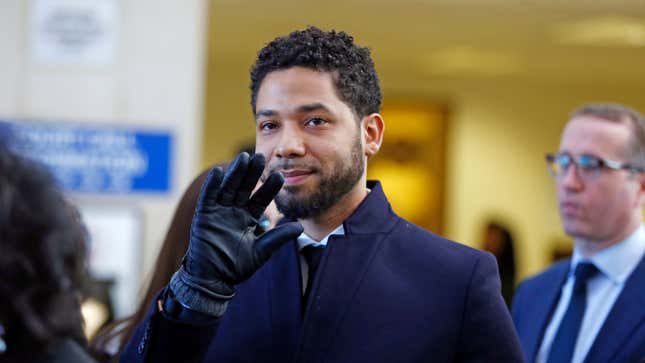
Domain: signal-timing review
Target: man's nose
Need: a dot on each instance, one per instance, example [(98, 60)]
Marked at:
[(291, 143), (570, 178)]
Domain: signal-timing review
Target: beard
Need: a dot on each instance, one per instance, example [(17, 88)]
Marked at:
[(333, 186)]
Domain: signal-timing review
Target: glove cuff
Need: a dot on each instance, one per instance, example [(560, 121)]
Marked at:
[(205, 296)]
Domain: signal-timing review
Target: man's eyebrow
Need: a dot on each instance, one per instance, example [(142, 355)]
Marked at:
[(318, 106), (313, 107), (266, 113)]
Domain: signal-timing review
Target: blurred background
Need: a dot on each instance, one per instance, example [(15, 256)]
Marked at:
[(127, 100)]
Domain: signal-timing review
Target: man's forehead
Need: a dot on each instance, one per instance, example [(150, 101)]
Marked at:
[(588, 134), (297, 79)]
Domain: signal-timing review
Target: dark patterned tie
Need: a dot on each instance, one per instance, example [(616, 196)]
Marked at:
[(565, 340), (312, 254)]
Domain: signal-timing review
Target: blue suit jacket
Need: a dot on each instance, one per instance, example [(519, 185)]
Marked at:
[(386, 291), (620, 339)]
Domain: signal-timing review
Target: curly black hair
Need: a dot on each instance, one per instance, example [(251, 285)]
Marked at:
[(328, 51), (42, 258)]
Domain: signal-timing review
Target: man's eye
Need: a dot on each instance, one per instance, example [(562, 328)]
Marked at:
[(315, 121), (589, 162), (564, 160), (267, 126)]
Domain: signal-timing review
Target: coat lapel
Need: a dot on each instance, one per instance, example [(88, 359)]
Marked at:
[(284, 298), (626, 315), (344, 263)]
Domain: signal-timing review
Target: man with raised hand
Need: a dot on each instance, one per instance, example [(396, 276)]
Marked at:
[(358, 284)]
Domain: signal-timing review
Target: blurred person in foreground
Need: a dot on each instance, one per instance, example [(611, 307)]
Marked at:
[(591, 307), (42, 265), (342, 278)]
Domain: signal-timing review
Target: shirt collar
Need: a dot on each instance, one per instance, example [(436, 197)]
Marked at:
[(304, 240), (618, 261)]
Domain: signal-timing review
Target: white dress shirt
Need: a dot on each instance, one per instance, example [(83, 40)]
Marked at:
[(303, 241), (615, 264)]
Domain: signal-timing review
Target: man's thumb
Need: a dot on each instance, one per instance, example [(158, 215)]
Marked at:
[(275, 238)]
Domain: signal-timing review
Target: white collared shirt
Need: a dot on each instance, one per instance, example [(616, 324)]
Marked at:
[(615, 263), (303, 241)]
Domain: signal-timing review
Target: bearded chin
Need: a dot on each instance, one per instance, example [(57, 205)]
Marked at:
[(295, 207), (294, 202)]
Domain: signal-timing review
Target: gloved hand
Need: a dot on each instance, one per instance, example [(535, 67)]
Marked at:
[(223, 250)]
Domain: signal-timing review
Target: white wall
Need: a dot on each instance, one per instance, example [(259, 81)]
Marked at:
[(156, 81)]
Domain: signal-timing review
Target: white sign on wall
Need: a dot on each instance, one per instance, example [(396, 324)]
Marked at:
[(74, 32), (114, 254)]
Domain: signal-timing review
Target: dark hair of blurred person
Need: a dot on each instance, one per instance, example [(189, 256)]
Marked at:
[(42, 266), (107, 343), (498, 240)]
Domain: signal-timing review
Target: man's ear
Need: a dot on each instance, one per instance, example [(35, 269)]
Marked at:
[(372, 127), (641, 191)]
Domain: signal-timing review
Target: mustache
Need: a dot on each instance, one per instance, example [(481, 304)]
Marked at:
[(285, 166)]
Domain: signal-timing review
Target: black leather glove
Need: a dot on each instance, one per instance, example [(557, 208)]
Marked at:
[(223, 249)]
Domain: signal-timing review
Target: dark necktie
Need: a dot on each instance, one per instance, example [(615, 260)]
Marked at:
[(565, 339), (312, 254)]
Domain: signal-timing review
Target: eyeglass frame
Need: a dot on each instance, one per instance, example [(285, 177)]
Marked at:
[(601, 163)]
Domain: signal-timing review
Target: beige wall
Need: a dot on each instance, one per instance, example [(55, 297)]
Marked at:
[(496, 160), (229, 122)]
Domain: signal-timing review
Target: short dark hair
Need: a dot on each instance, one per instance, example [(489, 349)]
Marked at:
[(620, 114), (42, 263), (329, 51)]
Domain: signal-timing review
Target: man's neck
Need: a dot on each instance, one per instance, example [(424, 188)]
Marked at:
[(588, 247), (320, 226)]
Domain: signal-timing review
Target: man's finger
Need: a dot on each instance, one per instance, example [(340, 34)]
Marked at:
[(265, 194), (253, 173), (272, 240), (232, 179), (208, 191)]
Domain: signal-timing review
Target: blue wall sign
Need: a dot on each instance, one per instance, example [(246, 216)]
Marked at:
[(95, 159)]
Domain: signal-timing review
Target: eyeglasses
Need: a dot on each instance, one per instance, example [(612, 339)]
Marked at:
[(587, 166)]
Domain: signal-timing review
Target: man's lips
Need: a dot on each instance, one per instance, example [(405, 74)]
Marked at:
[(569, 208), (293, 177)]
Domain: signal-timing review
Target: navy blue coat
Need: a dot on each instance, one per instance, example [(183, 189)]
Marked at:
[(386, 291), (620, 339)]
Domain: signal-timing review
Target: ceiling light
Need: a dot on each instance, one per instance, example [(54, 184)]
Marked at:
[(605, 31), (470, 61)]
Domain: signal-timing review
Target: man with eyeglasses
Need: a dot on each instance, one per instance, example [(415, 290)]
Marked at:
[(591, 308)]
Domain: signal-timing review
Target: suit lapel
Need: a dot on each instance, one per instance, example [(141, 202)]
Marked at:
[(627, 314), (543, 308)]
